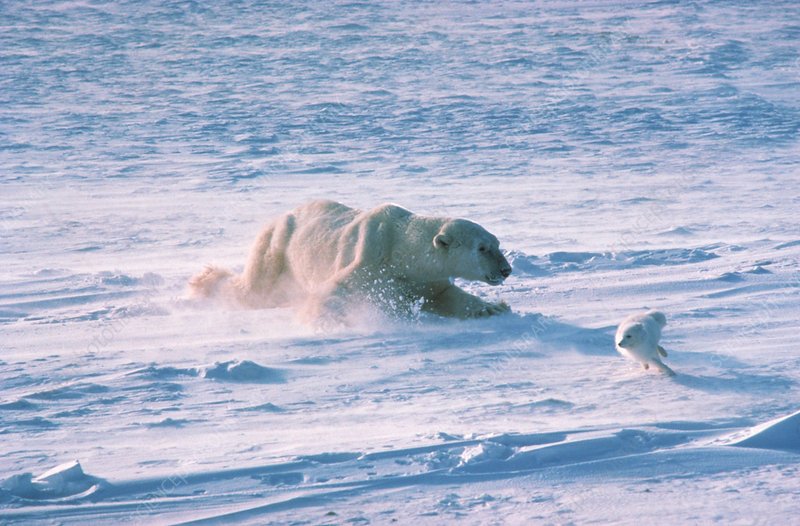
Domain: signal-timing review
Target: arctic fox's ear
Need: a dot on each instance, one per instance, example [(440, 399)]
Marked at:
[(659, 317), (442, 240)]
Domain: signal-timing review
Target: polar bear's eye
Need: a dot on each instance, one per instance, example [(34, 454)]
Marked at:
[(628, 336), (481, 249)]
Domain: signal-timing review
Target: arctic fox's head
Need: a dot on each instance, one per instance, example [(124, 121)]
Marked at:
[(633, 336)]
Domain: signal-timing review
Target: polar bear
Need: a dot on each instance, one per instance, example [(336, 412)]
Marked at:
[(324, 254)]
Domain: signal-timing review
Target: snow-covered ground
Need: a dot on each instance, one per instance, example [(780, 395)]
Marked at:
[(627, 158)]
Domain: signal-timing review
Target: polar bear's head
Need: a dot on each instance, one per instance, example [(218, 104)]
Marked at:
[(470, 252)]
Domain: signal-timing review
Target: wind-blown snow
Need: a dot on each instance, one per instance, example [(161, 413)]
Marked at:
[(626, 159)]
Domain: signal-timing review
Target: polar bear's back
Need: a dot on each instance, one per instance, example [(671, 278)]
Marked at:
[(330, 215), (340, 235), (319, 224), (323, 213)]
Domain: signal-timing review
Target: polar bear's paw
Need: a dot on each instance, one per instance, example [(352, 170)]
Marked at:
[(488, 309)]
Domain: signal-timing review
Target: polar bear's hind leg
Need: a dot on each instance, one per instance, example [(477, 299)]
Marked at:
[(267, 263)]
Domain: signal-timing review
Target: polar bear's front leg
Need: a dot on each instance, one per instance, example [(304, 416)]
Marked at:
[(456, 303), (333, 301)]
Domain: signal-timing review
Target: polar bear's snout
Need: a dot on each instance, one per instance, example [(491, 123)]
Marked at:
[(503, 271)]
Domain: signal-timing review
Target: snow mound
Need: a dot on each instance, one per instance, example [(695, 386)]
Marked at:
[(66, 482), (485, 452), (18, 405), (163, 373), (780, 434), (268, 407), (243, 371)]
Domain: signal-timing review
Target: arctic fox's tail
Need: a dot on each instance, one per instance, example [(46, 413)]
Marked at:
[(215, 282)]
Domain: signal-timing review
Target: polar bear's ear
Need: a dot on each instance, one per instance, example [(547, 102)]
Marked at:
[(442, 240)]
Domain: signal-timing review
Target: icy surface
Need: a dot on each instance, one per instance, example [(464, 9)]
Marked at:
[(628, 159)]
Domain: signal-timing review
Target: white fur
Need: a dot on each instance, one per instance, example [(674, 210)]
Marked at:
[(637, 338), (324, 254)]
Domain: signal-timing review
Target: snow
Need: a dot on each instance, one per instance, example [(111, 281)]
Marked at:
[(64, 482), (781, 434), (645, 159)]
